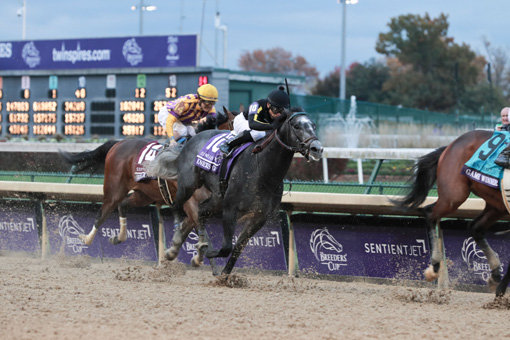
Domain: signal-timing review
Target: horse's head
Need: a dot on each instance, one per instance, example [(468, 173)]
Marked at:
[(298, 134), (226, 120)]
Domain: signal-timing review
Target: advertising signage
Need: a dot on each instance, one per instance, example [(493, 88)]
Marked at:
[(136, 52)]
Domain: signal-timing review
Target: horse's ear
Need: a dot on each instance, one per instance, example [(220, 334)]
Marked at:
[(228, 113)]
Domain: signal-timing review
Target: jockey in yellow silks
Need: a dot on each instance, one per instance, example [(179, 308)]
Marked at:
[(178, 115)]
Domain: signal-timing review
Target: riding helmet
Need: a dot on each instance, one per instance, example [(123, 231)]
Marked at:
[(208, 92), (279, 98)]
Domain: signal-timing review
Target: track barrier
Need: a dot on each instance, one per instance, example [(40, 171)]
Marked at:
[(368, 239)]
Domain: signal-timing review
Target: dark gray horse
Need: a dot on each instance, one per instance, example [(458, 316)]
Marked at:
[(254, 189)]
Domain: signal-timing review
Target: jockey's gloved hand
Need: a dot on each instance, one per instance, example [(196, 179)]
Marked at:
[(210, 120), (278, 121)]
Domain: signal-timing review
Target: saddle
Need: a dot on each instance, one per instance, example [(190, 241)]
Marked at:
[(147, 155), (211, 159)]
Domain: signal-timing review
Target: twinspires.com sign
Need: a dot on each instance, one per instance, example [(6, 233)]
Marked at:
[(153, 51)]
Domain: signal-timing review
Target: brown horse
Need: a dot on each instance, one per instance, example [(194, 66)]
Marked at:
[(121, 191), (444, 167)]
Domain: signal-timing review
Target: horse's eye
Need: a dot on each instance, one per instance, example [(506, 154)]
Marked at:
[(296, 126)]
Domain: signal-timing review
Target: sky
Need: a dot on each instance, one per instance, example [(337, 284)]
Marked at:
[(308, 28)]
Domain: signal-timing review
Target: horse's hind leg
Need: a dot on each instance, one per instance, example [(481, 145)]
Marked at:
[(477, 230), (134, 199), (444, 206)]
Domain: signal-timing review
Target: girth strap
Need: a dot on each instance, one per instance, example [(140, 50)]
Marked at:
[(165, 191)]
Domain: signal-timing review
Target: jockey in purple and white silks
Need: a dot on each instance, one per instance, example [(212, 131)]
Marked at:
[(263, 115), (177, 115)]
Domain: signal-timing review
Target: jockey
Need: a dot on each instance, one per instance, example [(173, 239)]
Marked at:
[(178, 115), (264, 114), (504, 157)]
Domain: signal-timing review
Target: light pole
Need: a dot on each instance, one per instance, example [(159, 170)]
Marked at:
[(142, 7), (22, 12), (344, 4), (219, 27)]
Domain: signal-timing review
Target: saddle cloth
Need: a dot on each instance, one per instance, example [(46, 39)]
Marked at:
[(210, 157), (145, 156), (481, 167)]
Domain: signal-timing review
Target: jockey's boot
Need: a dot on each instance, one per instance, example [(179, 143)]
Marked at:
[(244, 137), (504, 158)]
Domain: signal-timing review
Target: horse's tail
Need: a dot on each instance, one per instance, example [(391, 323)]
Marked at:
[(424, 177), (88, 160)]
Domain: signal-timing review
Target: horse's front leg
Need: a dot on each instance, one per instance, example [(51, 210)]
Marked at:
[(134, 199), (103, 213), (228, 224), (250, 228), (185, 226), (477, 230)]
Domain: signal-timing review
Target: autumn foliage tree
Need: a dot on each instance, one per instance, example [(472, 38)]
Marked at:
[(276, 60)]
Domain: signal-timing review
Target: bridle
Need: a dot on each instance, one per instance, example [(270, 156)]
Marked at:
[(304, 146)]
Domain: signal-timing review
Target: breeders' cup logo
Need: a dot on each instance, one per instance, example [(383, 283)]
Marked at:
[(475, 259), (30, 55), (69, 230), (132, 52), (172, 49), (327, 249), (190, 246)]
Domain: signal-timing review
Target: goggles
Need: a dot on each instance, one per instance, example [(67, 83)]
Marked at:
[(208, 102), (276, 109)]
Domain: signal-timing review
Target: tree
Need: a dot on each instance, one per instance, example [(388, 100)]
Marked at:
[(365, 81), (276, 60), (433, 71)]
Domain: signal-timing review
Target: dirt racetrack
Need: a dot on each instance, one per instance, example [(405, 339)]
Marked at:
[(72, 298)]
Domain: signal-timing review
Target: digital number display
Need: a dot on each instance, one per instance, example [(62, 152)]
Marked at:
[(76, 118), (18, 129), (202, 80), (158, 104), (52, 94), (18, 118), (80, 93), (132, 105), (132, 130), (74, 106), (45, 118), (171, 92), (74, 130), (44, 129), (44, 106), (140, 92), (18, 106), (158, 130), (25, 94), (1, 93), (133, 118), (0, 109)]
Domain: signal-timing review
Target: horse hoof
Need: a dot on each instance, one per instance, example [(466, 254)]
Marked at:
[(114, 240), (171, 254), (83, 238), (430, 274), (195, 262)]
